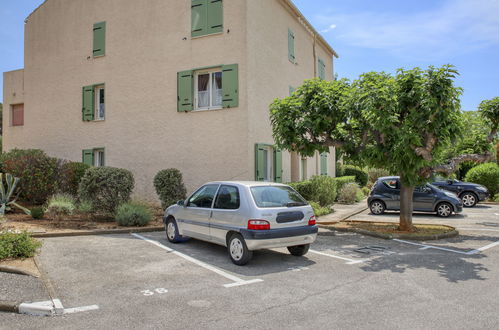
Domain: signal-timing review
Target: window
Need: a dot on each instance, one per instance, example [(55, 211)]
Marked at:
[(291, 46), (268, 163), (276, 196), (208, 89), (303, 166), (207, 17), (203, 197), (93, 107), (321, 66), (99, 48), (227, 198), (391, 183), (94, 157), (17, 114), (99, 103)]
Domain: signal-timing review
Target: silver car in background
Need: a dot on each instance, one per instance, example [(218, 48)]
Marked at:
[(244, 216)]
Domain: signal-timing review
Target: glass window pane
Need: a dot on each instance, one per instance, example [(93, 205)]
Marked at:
[(101, 103), (203, 93), (203, 197), (227, 198), (216, 89), (276, 196)]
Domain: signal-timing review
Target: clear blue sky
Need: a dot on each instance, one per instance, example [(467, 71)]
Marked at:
[(380, 35)]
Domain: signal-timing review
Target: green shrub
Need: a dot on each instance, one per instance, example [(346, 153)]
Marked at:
[(37, 212), (341, 181), (17, 245), (85, 207), (37, 171), (106, 188), (70, 176), (366, 191), (485, 174), (464, 168), (350, 193), (320, 210), (61, 205), (496, 197), (373, 174), (169, 186), (133, 214), (320, 189), (340, 171), (361, 176)]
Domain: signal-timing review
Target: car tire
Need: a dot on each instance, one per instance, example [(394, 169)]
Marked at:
[(299, 250), (238, 250), (377, 207), (171, 230), (444, 210), (469, 199)]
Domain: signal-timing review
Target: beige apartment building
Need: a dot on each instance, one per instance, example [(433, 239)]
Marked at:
[(154, 84)]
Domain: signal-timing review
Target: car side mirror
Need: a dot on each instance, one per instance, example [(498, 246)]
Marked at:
[(181, 203)]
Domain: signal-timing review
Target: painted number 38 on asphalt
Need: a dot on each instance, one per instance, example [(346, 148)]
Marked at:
[(150, 293)]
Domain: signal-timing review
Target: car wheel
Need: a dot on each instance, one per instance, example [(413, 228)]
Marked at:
[(444, 210), (238, 251), (299, 250), (469, 199), (171, 229), (377, 207)]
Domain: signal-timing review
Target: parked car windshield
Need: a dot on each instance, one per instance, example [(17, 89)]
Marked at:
[(276, 196)]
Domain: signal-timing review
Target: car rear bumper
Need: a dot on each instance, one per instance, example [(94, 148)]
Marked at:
[(274, 238)]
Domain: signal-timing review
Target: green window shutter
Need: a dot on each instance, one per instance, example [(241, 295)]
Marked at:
[(185, 91), (278, 165), (324, 163), (291, 90), (199, 16), (291, 46), (230, 86), (215, 16), (99, 39), (88, 103), (322, 69), (259, 165), (88, 157)]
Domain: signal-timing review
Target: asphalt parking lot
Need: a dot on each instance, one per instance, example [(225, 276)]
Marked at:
[(346, 281)]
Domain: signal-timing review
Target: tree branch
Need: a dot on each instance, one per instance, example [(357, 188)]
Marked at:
[(452, 165)]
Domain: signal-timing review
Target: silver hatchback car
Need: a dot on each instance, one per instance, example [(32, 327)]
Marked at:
[(244, 216)]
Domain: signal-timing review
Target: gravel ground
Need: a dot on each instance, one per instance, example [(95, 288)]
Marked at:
[(21, 288)]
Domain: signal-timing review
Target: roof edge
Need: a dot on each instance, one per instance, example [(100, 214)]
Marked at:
[(35, 10), (299, 14)]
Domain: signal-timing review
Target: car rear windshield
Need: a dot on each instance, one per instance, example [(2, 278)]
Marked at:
[(276, 196)]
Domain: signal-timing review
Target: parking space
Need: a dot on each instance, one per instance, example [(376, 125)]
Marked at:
[(346, 279)]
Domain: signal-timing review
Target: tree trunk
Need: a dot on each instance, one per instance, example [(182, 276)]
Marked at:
[(406, 208)]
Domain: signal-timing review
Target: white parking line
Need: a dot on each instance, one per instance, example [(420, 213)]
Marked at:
[(350, 261), (486, 247), (237, 281), (425, 246), (80, 309)]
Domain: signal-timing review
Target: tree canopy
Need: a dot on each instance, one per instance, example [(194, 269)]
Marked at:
[(400, 122)]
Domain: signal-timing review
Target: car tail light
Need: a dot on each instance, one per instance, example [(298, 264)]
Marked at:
[(311, 221), (258, 225)]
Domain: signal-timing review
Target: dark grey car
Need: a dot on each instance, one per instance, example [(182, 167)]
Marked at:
[(470, 193), (385, 195)]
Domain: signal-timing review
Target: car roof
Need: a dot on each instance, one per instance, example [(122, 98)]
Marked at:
[(247, 183), (389, 178)]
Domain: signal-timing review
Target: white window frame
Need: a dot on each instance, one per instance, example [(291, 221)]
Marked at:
[(210, 72), (269, 176), (97, 159), (97, 90)]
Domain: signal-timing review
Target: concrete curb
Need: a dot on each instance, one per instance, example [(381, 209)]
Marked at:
[(98, 232), (344, 217), (9, 306), (450, 234), (14, 270)]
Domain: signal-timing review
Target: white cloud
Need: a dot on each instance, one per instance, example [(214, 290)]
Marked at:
[(330, 28), (457, 26)]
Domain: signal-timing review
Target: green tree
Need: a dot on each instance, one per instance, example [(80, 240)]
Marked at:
[(399, 122)]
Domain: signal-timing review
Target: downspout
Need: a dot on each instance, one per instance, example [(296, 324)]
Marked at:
[(315, 56)]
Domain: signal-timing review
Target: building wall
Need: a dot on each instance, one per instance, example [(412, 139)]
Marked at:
[(13, 93), (145, 48), (147, 43), (271, 72)]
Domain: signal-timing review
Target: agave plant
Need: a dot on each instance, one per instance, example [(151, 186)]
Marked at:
[(7, 198)]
